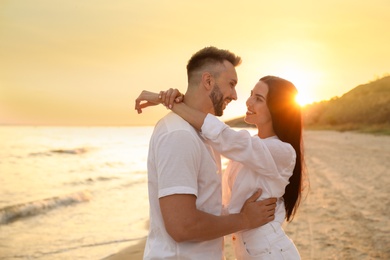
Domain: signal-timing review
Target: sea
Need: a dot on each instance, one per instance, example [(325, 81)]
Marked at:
[(72, 192)]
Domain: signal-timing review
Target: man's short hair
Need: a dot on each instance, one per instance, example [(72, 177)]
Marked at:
[(209, 56)]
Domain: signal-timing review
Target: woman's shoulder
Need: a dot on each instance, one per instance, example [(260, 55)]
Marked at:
[(279, 148)]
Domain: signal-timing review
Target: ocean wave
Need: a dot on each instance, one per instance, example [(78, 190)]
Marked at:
[(71, 151), (61, 151), (87, 181), (12, 213)]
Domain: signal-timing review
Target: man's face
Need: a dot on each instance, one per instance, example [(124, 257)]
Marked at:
[(224, 89)]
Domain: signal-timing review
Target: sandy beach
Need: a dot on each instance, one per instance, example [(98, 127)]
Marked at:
[(346, 213)]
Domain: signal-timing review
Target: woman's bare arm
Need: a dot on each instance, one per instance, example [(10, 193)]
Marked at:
[(191, 115), (172, 99), (151, 99)]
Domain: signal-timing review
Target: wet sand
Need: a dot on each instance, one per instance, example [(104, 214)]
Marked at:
[(346, 213)]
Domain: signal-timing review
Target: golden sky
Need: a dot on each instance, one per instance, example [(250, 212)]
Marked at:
[(84, 62)]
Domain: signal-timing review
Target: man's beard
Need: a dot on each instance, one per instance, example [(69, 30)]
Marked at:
[(217, 99)]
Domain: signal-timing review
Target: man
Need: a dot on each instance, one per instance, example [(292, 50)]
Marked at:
[(184, 173)]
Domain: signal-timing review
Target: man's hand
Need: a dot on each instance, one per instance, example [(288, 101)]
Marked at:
[(258, 213)]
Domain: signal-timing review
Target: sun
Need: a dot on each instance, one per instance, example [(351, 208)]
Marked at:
[(303, 99), (302, 77)]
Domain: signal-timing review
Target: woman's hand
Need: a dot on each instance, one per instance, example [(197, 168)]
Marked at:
[(151, 99), (167, 98), (171, 96)]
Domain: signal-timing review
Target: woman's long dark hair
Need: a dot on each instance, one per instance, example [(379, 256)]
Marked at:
[(287, 125)]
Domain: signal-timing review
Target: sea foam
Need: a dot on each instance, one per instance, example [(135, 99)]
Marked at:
[(14, 212)]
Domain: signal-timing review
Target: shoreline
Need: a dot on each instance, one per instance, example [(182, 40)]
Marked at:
[(345, 214), (135, 252)]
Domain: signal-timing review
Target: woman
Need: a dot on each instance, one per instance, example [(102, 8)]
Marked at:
[(272, 160)]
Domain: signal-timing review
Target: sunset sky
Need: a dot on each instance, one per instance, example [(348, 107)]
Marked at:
[(85, 62)]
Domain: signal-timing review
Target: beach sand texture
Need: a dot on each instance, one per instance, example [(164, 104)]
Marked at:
[(346, 214)]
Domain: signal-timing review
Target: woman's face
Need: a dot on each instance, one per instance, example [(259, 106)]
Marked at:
[(257, 110)]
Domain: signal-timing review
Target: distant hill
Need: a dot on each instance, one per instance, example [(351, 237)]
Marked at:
[(366, 106), (238, 122)]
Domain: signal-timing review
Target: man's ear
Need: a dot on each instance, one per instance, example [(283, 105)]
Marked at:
[(207, 81)]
